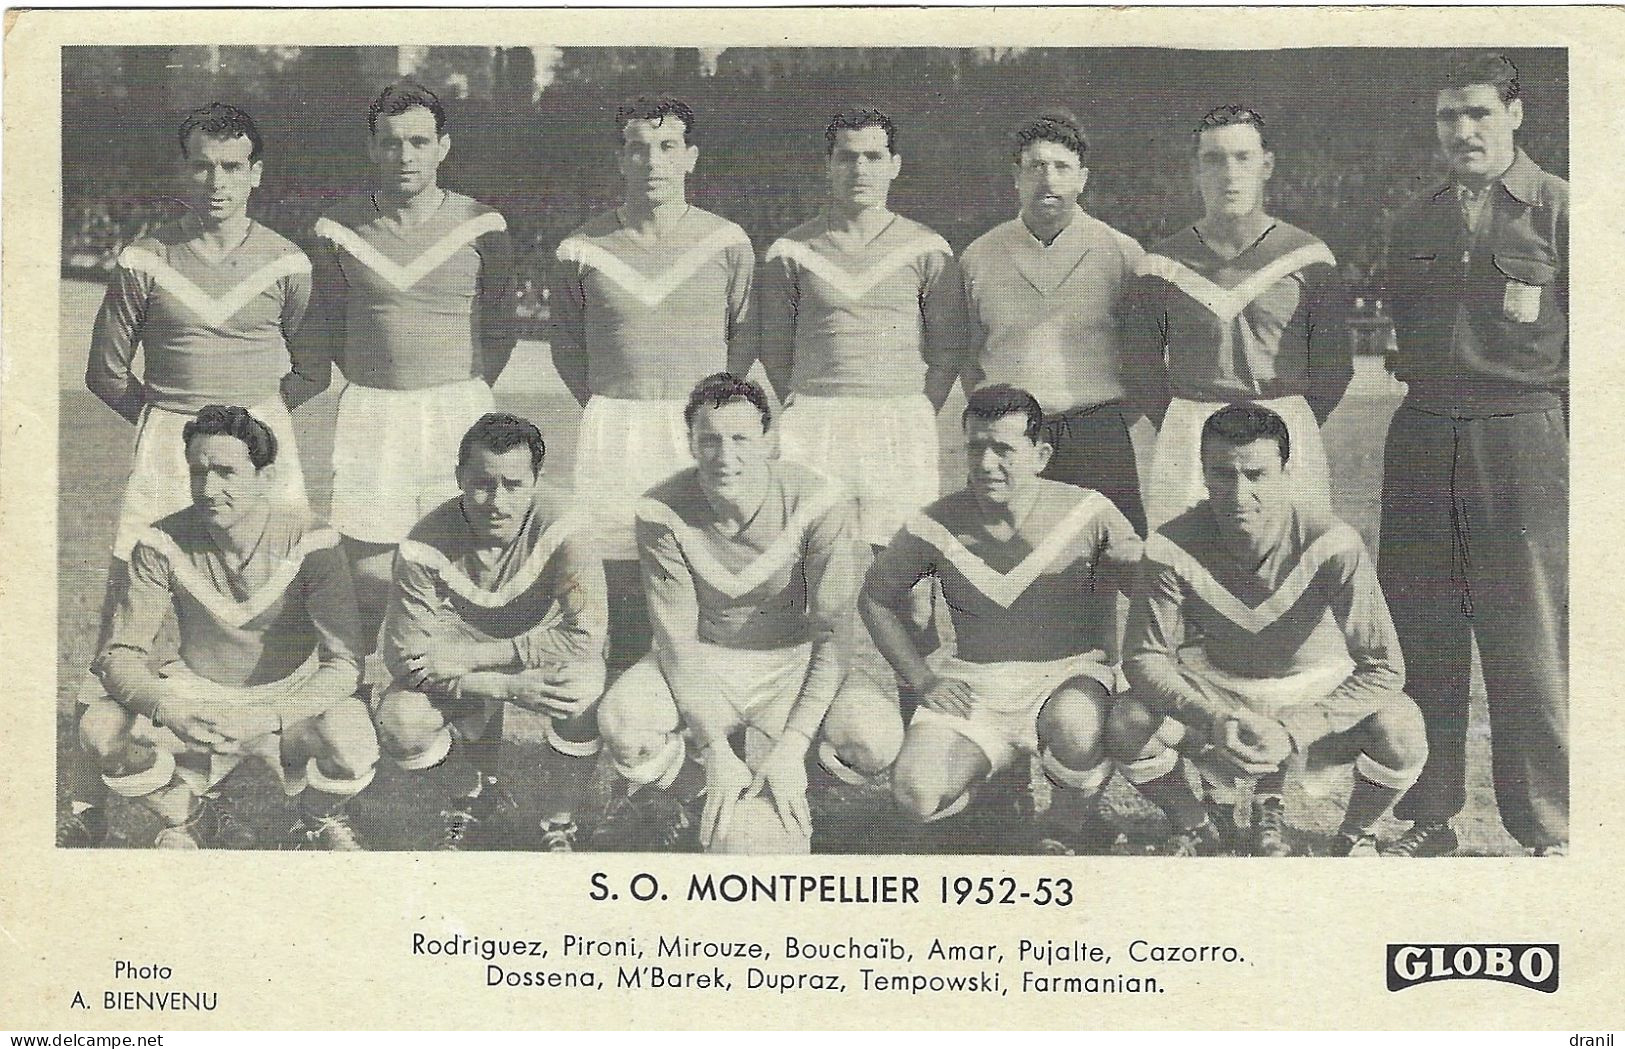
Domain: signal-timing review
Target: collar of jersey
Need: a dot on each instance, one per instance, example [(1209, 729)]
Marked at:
[(857, 285), (1227, 303), (211, 310), (457, 580), (782, 551), (651, 290), (435, 256), (223, 607), (1218, 597), (1004, 588)]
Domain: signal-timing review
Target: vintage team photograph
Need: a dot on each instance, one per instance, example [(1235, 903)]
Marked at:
[(1057, 451)]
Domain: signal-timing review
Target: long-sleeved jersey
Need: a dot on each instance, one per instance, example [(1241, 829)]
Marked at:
[(1047, 318), (213, 330), (646, 319), (245, 625), (1313, 600), (1265, 324), (846, 317), (544, 592), (1045, 593), (410, 307)]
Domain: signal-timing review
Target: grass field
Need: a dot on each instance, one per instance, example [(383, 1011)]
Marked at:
[(398, 811)]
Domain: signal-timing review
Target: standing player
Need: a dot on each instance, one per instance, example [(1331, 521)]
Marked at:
[(212, 302), (751, 570), (1247, 308), (268, 664), (1296, 655), (414, 298), (1475, 496), (498, 598), (862, 332), (647, 299), (1030, 569), (1045, 294)]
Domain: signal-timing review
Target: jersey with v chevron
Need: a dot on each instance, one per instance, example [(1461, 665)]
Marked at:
[(1046, 593), (410, 307), (1264, 324), (239, 625), (861, 319), (646, 320), (1313, 601), (789, 577), (214, 330), (545, 592)]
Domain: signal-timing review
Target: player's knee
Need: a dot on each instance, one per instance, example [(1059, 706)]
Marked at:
[(1129, 726), (348, 741), (407, 722), (626, 729), (1073, 721), (104, 731), (916, 795), (870, 742), (1397, 733)]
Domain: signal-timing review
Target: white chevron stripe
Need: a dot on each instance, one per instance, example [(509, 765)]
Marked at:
[(403, 277), (1005, 588), (464, 587), (1227, 303), (651, 291), (213, 312), (781, 552), (857, 285), (223, 608), (1253, 620)]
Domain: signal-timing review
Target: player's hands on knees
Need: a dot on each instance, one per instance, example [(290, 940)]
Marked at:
[(947, 695), (561, 691), (1254, 742), (726, 778), (199, 722), (441, 663), (784, 776)]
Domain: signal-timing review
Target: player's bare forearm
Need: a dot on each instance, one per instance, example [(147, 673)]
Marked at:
[(894, 640), (1157, 682)]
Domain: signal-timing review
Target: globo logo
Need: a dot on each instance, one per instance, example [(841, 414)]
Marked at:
[(1531, 965)]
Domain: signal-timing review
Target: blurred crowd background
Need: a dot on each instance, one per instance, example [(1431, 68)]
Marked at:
[(533, 132)]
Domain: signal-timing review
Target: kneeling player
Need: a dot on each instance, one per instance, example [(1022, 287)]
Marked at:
[(751, 570), (498, 598), (1030, 569), (1297, 653), (268, 663)]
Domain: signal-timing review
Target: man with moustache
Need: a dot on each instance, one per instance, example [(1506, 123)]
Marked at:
[(647, 299), (751, 567), (414, 301), (1476, 480), (1045, 293), (1246, 308), (498, 598)]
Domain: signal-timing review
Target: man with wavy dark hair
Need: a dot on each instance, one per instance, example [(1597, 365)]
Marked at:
[(498, 599), (648, 298), (414, 302), (268, 661)]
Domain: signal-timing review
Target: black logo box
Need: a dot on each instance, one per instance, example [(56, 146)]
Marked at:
[(1531, 965)]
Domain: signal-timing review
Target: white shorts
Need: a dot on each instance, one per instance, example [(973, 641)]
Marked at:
[(760, 685), (395, 455), (1009, 696), (200, 768), (625, 448), (161, 484), (1176, 482), (1270, 697), (884, 449)]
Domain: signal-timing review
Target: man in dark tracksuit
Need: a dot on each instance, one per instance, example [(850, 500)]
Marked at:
[(1476, 484)]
